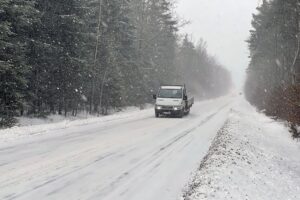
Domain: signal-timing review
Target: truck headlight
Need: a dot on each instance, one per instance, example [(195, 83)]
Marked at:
[(177, 108)]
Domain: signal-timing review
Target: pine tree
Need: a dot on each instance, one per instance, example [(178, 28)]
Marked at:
[(203, 75), (132, 87), (272, 83), (273, 46), (55, 56), (156, 43), (16, 22)]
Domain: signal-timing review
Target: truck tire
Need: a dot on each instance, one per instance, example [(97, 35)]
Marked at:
[(156, 114), (187, 112), (181, 114)]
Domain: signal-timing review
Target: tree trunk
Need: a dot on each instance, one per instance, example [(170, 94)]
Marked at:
[(96, 56), (102, 88), (297, 55)]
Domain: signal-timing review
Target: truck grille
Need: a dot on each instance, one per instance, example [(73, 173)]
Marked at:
[(167, 107)]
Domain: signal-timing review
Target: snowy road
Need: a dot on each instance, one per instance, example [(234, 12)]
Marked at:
[(132, 158)]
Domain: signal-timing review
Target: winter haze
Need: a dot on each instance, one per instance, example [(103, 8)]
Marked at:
[(225, 26), (123, 100)]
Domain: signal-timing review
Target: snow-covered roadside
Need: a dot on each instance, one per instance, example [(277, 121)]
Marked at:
[(29, 127), (33, 126), (253, 157), (51, 119)]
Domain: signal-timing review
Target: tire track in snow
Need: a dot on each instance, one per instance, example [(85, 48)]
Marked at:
[(154, 157), (144, 163)]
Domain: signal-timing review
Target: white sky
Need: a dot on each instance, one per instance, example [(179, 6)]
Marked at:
[(225, 25)]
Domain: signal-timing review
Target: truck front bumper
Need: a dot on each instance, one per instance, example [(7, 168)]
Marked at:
[(168, 110)]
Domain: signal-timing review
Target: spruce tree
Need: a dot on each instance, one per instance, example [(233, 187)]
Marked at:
[(16, 22), (58, 68)]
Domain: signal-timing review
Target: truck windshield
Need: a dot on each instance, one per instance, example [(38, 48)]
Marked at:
[(170, 93)]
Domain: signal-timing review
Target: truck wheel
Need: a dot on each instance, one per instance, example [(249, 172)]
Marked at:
[(156, 115), (181, 114), (187, 112)]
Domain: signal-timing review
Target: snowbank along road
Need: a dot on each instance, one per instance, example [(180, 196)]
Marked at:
[(253, 157), (127, 158)]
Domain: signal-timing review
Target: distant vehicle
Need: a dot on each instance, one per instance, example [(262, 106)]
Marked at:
[(172, 100)]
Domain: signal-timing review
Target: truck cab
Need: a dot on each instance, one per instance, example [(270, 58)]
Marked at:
[(172, 100)]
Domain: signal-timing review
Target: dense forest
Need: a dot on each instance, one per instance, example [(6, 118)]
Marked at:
[(273, 83), (67, 56), (205, 77)]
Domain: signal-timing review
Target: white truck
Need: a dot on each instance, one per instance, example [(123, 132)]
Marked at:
[(172, 100)]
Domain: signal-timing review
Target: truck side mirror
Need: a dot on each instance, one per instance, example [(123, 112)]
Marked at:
[(185, 98), (154, 96)]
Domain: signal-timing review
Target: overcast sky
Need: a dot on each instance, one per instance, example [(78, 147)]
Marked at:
[(225, 25)]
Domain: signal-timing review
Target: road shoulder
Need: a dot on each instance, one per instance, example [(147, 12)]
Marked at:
[(252, 157)]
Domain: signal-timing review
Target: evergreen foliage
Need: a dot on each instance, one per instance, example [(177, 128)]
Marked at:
[(274, 73), (16, 20), (200, 71), (67, 56)]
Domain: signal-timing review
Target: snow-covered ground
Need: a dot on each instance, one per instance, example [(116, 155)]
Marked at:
[(134, 156), (28, 127), (51, 119), (252, 157), (129, 156)]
